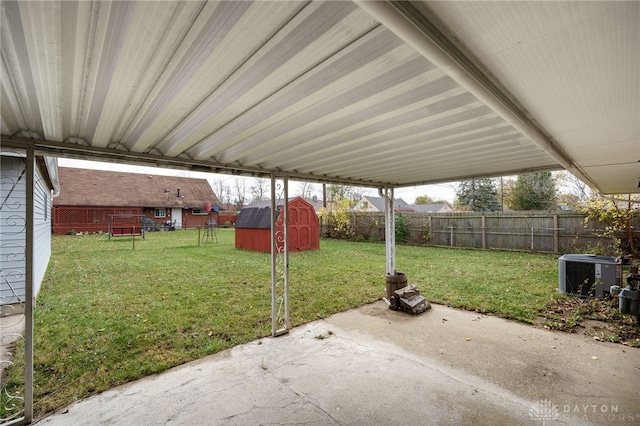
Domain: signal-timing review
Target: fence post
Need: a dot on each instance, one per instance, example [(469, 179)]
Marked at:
[(354, 224), (532, 238), (451, 236), (555, 233), (484, 235)]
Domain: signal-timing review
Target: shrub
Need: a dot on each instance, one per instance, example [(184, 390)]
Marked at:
[(338, 221), (402, 228)]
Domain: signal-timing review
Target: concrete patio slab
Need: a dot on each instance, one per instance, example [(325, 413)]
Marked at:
[(375, 366)]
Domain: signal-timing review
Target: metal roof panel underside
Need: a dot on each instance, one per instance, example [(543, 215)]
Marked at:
[(330, 91)]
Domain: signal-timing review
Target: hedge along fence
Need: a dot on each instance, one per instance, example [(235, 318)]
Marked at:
[(551, 232)]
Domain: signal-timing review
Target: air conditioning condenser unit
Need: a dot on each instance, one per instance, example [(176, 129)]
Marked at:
[(588, 275)]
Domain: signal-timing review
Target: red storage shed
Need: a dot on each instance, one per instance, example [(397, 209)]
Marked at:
[(253, 226)]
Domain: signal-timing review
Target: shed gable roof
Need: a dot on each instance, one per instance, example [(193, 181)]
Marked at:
[(84, 187), (258, 214), (258, 217)]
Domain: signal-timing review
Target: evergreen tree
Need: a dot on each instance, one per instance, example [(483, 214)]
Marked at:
[(479, 195), (534, 191)]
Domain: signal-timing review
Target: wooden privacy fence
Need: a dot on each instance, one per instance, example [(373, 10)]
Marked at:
[(562, 232)]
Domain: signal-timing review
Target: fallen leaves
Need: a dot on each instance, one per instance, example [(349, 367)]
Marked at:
[(597, 318)]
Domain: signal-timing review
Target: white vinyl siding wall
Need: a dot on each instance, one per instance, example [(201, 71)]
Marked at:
[(41, 229), (13, 229)]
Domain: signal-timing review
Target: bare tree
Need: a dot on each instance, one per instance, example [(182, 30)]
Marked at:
[(569, 184), (240, 189), (353, 193), (222, 191), (356, 193), (260, 189), (306, 189)]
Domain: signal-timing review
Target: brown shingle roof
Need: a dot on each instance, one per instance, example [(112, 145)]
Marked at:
[(84, 187)]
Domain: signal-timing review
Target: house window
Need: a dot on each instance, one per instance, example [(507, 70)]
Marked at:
[(160, 212), (198, 212)]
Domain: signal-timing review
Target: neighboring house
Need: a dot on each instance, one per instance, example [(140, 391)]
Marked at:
[(253, 226), (376, 204), (429, 208), (13, 221), (317, 204), (90, 199)]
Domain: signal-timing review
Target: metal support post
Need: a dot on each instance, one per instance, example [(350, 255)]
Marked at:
[(280, 323), (390, 229), (29, 284)]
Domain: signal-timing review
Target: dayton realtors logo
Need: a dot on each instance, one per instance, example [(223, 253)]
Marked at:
[(545, 411)]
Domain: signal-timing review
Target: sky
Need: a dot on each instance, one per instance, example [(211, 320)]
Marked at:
[(444, 191)]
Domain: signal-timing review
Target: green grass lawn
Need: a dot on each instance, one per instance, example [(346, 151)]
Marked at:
[(108, 314)]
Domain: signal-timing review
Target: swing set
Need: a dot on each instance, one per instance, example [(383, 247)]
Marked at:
[(126, 225)]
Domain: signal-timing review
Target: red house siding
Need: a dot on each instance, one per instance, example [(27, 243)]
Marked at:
[(92, 219)]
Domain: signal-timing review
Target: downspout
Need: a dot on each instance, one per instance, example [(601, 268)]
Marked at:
[(394, 20), (52, 167)]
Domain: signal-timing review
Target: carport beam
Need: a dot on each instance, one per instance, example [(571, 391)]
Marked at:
[(464, 72)]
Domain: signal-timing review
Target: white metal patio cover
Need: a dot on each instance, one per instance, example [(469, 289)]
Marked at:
[(381, 94), (375, 94)]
